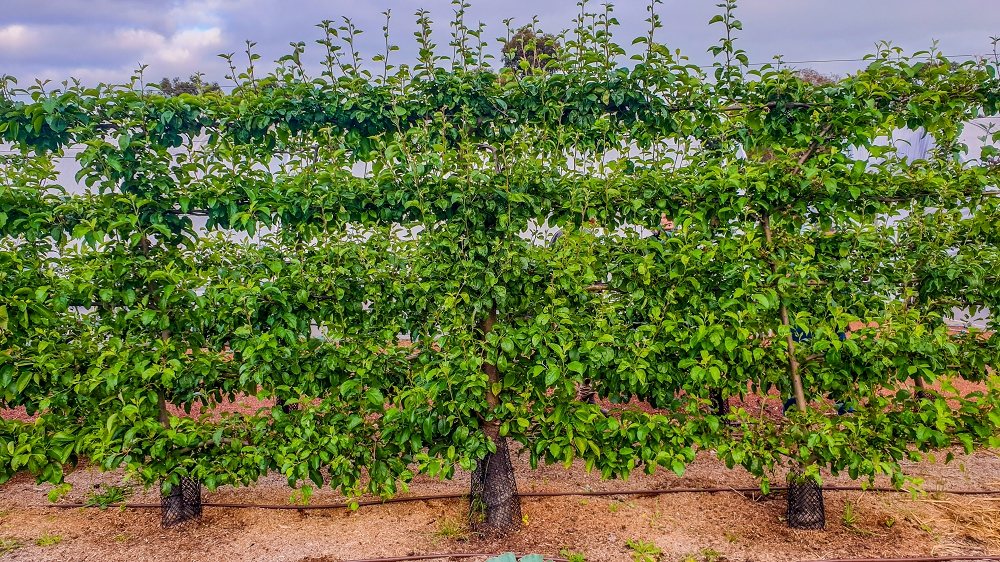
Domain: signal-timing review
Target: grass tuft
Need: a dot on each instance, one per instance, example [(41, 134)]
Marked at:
[(644, 551), (48, 540), (8, 545)]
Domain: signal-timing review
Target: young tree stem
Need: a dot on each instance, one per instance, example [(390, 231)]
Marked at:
[(161, 394), (492, 374), (793, 364)]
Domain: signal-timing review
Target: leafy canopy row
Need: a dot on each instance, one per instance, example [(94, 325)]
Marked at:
[(275, 241)]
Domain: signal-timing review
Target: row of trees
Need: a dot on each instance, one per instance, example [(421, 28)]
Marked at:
[(276, 241)]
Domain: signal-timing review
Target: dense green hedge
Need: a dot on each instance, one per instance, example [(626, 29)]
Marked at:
[(344, 210)]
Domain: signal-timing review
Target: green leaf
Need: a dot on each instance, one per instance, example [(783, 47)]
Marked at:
[(375, 397)]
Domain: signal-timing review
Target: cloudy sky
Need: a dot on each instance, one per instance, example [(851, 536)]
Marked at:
[(104, 40)]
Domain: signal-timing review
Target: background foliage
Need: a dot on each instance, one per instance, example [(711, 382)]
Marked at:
[(276, 240)]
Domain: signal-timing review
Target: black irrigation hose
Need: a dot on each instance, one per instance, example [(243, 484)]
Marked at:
[(270, 506), (966, 557), (971, 557), (653, 492), (755, 489), (446, 556)]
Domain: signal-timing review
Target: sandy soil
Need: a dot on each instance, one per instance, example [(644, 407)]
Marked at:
[(692, 526)]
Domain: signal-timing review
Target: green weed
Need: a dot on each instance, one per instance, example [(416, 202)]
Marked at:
[(850, 517), (644, 551), (111, 494), (8, 545), (48, 540), (710, 555), (704, 555), (572, 556), (451, 529), (59, 492)]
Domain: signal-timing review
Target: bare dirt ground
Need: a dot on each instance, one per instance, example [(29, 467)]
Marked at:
[(691, 526)]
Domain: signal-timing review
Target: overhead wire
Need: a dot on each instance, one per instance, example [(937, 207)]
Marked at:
[(776, 61)]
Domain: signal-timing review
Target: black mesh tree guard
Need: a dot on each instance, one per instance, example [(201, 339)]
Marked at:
[(182, 504), (720, 405), (805, 503), (494, 506), (285, 407)]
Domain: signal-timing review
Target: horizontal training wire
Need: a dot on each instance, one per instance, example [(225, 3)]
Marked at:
[(700, 66)]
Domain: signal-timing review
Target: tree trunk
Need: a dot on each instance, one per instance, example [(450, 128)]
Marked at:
[(793, 363), (183, 503), (161, 394), (805, 497), (918, 380), (495, 507), (492, 374)]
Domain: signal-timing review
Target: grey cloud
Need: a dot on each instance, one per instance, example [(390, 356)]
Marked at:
[(74, 47), (803, 29), (147, 14)]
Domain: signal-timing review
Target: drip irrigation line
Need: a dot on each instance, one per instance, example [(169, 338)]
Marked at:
[(598, 493), (343, 505), (914, 559), (447, 556)]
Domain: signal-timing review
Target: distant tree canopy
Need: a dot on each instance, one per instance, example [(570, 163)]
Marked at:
[(194, 85), (537, 48), (816, 78)]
